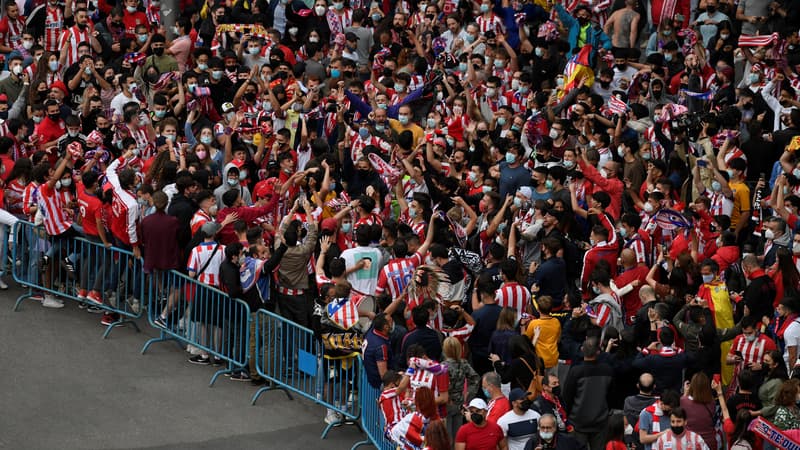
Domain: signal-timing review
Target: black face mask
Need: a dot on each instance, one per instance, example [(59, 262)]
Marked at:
[(82, 26), (54, 117), (605, 84), (677, 430), (158, 51), (476, 418), (250, 96), (363, 173), (482, 133), (621, 67), (557, 391), (110, 79), (711, 9), (747, 106), (105, 131), (583, 21), (230, 68), (526, 405)]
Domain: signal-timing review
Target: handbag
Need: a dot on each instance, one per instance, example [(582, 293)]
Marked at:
[(535, 386)]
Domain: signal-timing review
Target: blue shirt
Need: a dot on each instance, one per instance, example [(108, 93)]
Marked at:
[(485, 324), (376, 349), (512, 179)]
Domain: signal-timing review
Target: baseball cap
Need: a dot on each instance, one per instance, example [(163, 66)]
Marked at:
[(478, 403), (210, 228), (3, 98), (516, 394), (227, 107), (328, 224), (350, 36)]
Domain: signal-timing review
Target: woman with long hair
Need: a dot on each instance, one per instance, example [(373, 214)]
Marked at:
[(775, 376), (616, 432), (504, 330), (700, 407), (423, 426), (524, 365), (15, 186), (462, 377), (785, 275)]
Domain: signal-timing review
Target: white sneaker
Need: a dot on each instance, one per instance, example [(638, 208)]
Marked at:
[(135, 305), (3, 285), (332, 417), (51, 302), (191, 349)]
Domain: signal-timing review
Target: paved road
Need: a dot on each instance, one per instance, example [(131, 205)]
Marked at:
[(64, 387)]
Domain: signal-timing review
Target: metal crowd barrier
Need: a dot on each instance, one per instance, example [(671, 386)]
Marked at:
[(70, 268), (372, 421), (190, 312), (290, 357), (5, 234)]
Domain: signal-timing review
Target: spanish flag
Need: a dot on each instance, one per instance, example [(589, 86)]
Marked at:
[(578, 67)]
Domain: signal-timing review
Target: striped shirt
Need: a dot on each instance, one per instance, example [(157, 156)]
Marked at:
[(492, 23), (74, 36), (11, 30), (198, 220), (513, 295), (396, 275), (56, 220), (53, 27), (200, 256), (688, 441), (639, 248), (390, 403), (752, 352), (30, 197)]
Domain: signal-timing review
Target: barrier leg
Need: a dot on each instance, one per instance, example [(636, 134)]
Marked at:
[(120, 322), (360, 443), (163, 338), (229, 370), (22, 297), (269, 387)]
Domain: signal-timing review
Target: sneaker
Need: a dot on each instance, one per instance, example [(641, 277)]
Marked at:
[(134, 304), (82, 294), (52, 302), (160, 322), (202, 360), (109, 319), (3, 285), (44, 260), (82, 306), (94, 309), (241, 376), (69, 266), (333, 418), (258, 381), (37, 296), (192, 350), (112, 299), (94, 297), (217, 361)]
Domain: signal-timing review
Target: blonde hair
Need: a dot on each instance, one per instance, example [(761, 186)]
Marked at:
[(452, 349)]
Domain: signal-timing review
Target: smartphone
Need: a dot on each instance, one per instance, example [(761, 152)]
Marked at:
[(761, 176), (717, 378), (702, 163)]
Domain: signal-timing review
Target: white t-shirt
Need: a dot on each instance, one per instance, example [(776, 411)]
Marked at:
[(792, 338), (519, 429), (365, 280)]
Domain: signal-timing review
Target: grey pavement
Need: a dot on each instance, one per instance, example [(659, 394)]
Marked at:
[(64, 387)]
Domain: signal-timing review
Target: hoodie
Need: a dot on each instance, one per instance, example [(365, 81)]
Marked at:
[(771, 247), (225, 187)]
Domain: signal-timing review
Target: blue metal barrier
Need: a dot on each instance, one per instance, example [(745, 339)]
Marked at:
[(114, 274), (291, 357), (187, 311), (372, 421), (5, 234)]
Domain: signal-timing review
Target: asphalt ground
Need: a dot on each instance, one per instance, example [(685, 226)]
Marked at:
[(64, 387)]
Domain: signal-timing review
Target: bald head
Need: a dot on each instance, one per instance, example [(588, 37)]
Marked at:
[(750, 261), (647, 294), (628, 257), (646, 383)]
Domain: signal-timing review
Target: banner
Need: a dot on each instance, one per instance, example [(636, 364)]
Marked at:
[(773, 434)]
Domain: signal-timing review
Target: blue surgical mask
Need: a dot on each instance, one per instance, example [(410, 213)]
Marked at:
[(403, 119), (549, 185), (363, 133), (501, 121), (399, 87), (518, 202), (347, 227), (539, 52), (667, 57), (510, 157), (470, 39), (716, 186), (376, 18), (708, 278), (462, 67), (486, 393), (335, 73), (623, 232), (412, 212), (431, 123), (216, 74), (484, 8), (206, 139), (499, 63), (202, 67)]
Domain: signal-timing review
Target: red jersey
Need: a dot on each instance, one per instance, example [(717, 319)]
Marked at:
[(53, 27), (125, 213), (11, 31), (396, 275), (90, 209), (513, 295)]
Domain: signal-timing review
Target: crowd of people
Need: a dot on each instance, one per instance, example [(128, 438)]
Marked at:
[(541, 224)]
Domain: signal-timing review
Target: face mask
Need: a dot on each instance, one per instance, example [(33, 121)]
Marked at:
[(473, 177), (484, 8), (724, 36), (379, 127), (347, 227), (499, 63), (546, 435), (403, 119), (621, 67), (583, 21), (158, 51), (623, 232), (450, 143), (549, 185), (621, 151), (53, 66), (769, 234), (470, 39), (72, 133), (431, 122), (517, 202), (569, 164), (399, 87), (510, 157), (161, 114), (677, 430), (731, 173), (796, 247), (338, 6), (313, 39), (754, 78), (54, 117), (233, 181), (458, 110), (648, 207), (462, 67), (251, 97), (376, 18), (383, 106), (708, 278), (595, 289), (539, 52), (320, 10), (332, 185), (293, 31), (132, 87), (553, 133), (646, 156), (751, 337), (716, 186), (131, 9), (142, 38), (37, 119), (482, 133), (711, 9), (412, 212), (212, 211), (667, 57), (363, 133), (216, 74), (243, 175), (16, 70), (501, 121), (490, 92), (363, 173), (27, 45), (253, 50), (476, 418)]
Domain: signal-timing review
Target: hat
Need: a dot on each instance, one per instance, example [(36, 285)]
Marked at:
[(58, 84), (516, 394), (227, 107), (526, 191), (265, 187), (328, 224), (161, 140), (478, 403), (350, 36), (210, 228)]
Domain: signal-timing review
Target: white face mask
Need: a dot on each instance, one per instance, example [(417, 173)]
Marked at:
[(320, 10), (769, 234), (553, 133), (796, 247), (648, 207)]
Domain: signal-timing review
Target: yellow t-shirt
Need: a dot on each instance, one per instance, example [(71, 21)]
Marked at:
[(547, 345), (741, 201), (415, 129)]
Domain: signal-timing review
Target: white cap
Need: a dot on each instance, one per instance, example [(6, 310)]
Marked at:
[(478, 403), (526, 191)]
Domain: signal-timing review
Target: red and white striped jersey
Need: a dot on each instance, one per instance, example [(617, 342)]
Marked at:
[(55, 216), (396, 275), (200, 257), (391, 406), (409, 432), (53, 27), (417, 81), (198, 220), (11, 31), (491, 23), (513, 295), (125, 212), (357, 145), (639, 248), (143, 144), (14, 197), (720, 205), (74, 36), (504, 74), (601, 312), (752, 352), (688, 441), (30, 197), (516, 101), (250, 113)]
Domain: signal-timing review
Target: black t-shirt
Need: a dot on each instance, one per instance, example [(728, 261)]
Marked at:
[(74, 98)]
